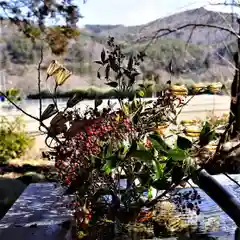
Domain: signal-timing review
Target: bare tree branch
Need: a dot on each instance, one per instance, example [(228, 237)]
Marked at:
[(19, 108), (232, 4), (168, 31)]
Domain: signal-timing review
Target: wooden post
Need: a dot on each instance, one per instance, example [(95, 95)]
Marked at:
[(221, 196), (235, 108), (237, 125)]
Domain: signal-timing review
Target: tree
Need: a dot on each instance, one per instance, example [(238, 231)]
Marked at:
[(31, 18)]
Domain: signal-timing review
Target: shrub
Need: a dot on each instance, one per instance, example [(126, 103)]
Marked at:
[(20, 50), (23, 50), (88, 94), (14, 141)]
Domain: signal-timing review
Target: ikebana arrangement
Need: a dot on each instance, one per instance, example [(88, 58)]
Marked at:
[(116, 160)]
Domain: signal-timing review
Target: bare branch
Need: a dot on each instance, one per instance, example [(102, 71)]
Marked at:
[(233, 4), (168, 31), (20, 109)]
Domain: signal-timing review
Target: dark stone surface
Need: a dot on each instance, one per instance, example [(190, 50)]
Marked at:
[(39, 213)]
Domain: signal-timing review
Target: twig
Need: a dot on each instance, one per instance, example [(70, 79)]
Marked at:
[(222, 139), (234, 148), (173, 186), (225, 4), (20, 109), (184, 106), (39, 80), (54, 96), (172, 30), (233, 180)]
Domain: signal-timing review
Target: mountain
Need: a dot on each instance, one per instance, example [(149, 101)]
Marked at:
[(206, 57), (203, 36), (97, 29)]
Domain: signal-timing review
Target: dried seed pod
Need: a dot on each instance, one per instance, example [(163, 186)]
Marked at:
[(58, 118), (74, 100), (49, 112)]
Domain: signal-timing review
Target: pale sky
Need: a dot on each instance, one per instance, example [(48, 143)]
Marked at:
[(136, 12)]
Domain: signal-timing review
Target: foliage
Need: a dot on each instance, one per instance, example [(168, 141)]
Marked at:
[(14, 141), (21, 50), (30, 20), (89, 93), (58, 37), (76, 53), (13, 94), (106, 93), (165, 50)]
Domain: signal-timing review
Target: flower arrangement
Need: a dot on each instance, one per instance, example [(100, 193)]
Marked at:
[(110, 157)]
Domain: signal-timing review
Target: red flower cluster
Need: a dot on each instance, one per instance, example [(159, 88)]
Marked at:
[(75, 152)]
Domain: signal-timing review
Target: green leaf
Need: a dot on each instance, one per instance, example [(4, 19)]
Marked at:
[(142, 155), (177, 174), (98, 75), (144, 178), (132, 149), (74, 100), (110, 164), (140, 93), (161, 184), (177, 154), (130, 63), (206, 135), (158, 169), (107, 151), (125, 109), (136, 115), (98, 102), (112, 84), (103, 55), (107, 169), (107, 71), (150, 195), (183, 143), (141, 85), (159, 143)]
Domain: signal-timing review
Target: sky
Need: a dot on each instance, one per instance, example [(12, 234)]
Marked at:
[(137, 12)]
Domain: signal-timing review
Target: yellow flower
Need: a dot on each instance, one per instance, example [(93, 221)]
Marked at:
[(118, 117), (125, 109), (61, 75), (53, 67)]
